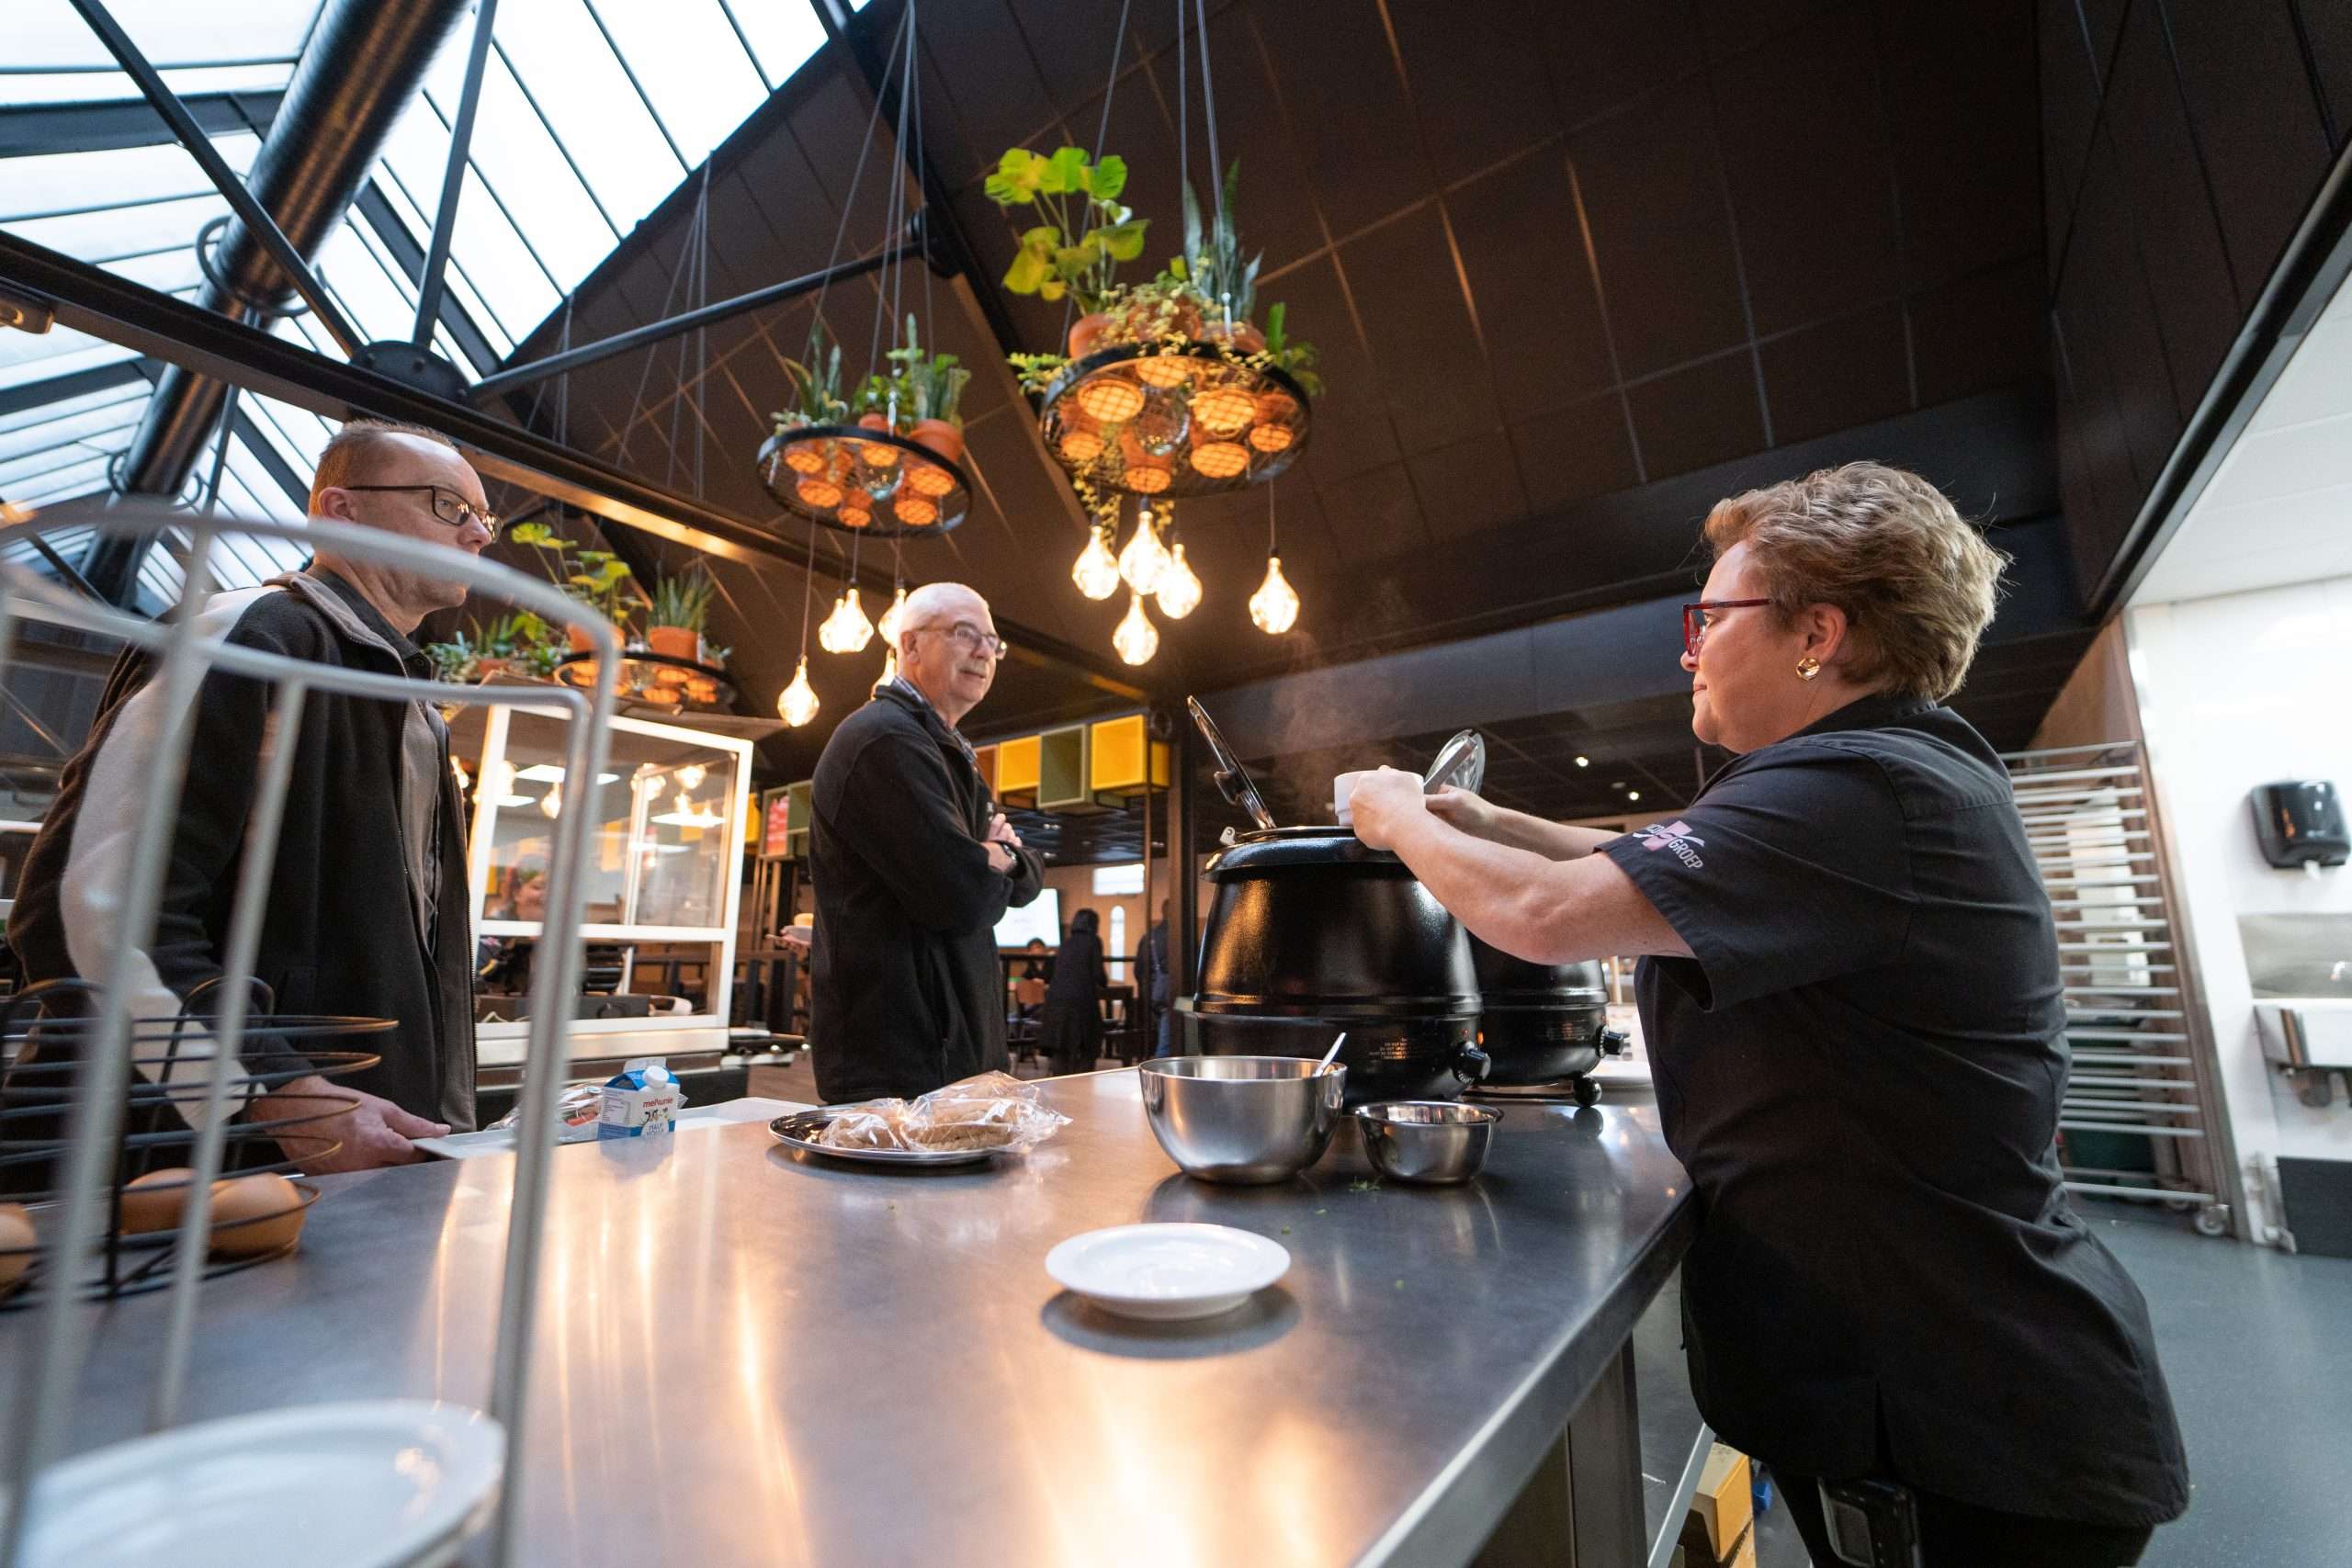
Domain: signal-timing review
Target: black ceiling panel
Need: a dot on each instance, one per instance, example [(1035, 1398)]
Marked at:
[(1568, 453), (1347, 107), (1702, 414), (1653, 194), (981, 56), (1469, 487), (1965, 139), (1545, 342), (1811, 179), (1606, 54), (1071, 41), (1410, 297), (2070, 95), (2328, 27), (2170, 208), (2265, 148), (1987, 330), (1840, 373), (1733, 27), (1480, 94), (1352, 431), (1375, 514)]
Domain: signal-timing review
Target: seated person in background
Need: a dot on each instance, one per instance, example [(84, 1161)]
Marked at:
[(1029, 986)]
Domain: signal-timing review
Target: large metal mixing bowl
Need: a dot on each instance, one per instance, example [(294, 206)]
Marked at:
[(1242, 1120)]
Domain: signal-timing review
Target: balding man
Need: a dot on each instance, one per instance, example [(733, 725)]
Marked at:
[(913, 867), (367, 911)]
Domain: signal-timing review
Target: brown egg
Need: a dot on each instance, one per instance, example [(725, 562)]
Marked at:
[(255, 1215), (153, 1202), (17, 1244)]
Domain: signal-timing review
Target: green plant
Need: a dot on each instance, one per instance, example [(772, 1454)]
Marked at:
[(520, 642), (1091, 233), (816, 382), (682, 600), (930, 387), (458, 662), (1289, 354), (598, 579), (1210, 267)]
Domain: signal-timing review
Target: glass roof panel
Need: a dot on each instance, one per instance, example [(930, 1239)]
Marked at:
[(61, 351), (49, 34), (781, 36), (561, 58), (26, 423), (65, 182), (108, 231), (516, 157), (691, 65), (83, 86)]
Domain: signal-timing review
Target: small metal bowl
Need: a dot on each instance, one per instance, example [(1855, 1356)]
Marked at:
[(1242, 1120), (1429, 1142)]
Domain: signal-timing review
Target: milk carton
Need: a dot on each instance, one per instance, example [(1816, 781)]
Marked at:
[(641, 1099)]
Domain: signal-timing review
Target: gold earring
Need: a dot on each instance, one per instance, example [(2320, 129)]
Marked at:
[(1808, 666)]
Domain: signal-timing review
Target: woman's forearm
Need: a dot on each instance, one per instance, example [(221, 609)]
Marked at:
[(1534, 907), (1552, 841)]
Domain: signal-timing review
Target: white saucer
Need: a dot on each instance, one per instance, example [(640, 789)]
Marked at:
[(1167, 1273), (372, 1483)]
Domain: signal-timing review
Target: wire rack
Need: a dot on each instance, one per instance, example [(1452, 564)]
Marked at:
[(2142, 1117), (125, 1059)]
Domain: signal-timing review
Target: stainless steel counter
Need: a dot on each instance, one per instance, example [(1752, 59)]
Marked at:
[(747, 1357)]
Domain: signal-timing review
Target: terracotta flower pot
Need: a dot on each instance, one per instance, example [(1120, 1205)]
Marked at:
[(675, 642), (941, 437), (579, 639), (1086, 334)]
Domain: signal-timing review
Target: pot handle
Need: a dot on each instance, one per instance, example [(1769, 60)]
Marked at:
[(1470, 1064), (1615, 1041)]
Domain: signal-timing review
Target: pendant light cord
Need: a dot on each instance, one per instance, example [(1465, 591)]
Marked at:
[(1102, 133), (858, 175), (1272, 550)]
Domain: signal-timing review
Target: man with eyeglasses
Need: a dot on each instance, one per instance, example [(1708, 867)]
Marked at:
[(913, 867), (368, 907)]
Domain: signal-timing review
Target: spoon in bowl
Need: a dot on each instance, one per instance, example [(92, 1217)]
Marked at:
[(1328, 1056)]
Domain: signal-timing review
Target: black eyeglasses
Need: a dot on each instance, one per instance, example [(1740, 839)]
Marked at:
[(972, 639), (1695, 619), (448, 505)]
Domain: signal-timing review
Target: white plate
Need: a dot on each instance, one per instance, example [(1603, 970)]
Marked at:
[(373, 1484), (1167, 1273)]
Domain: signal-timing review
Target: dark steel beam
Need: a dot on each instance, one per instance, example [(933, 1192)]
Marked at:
[(205, 343), (390, 228), (28, 128), (364, 62), (453, 176), (520, 375), (259, 225)]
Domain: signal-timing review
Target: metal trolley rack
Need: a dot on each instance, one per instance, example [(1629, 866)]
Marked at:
[(2144, 1076), (75, 1226)]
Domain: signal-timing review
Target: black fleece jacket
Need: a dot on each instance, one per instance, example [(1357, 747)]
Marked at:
[(908, 993), (367, 908)]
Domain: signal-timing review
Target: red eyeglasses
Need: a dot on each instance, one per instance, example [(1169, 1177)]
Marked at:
[(1694, 619)]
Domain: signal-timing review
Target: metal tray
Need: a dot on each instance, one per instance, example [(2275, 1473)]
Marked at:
[(799, 1131)]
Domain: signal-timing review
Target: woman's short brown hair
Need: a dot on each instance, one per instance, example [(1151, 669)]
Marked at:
[(1915, 582)]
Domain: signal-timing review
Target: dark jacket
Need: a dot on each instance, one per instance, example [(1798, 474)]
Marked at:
[(1078, 971), (908, 993), (367, 908)]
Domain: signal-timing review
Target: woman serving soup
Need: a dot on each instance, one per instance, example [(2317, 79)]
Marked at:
[(1850, 991)]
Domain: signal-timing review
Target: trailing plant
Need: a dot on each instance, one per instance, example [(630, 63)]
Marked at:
[(521, 643), (1036, 371), (1077, 253), (598, 579), (682, 601)]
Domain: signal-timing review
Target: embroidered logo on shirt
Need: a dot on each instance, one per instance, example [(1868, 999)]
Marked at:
[(1677, 837)]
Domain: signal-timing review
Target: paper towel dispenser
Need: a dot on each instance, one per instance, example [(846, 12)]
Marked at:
[(2300, 822)]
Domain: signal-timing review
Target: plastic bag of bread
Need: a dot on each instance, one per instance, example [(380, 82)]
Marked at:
[(993, 1111)]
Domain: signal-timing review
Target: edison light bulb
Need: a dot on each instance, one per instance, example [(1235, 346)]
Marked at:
[(1136, 639), (1180, 589), (797, 702), (846, 630), (551, 803), (888, 624), (889, 668), (1274, 607), (1097, 570), (692, 776), (1145, 558)]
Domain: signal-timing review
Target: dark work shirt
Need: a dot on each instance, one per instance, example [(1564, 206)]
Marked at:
[(1861, 1069)]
